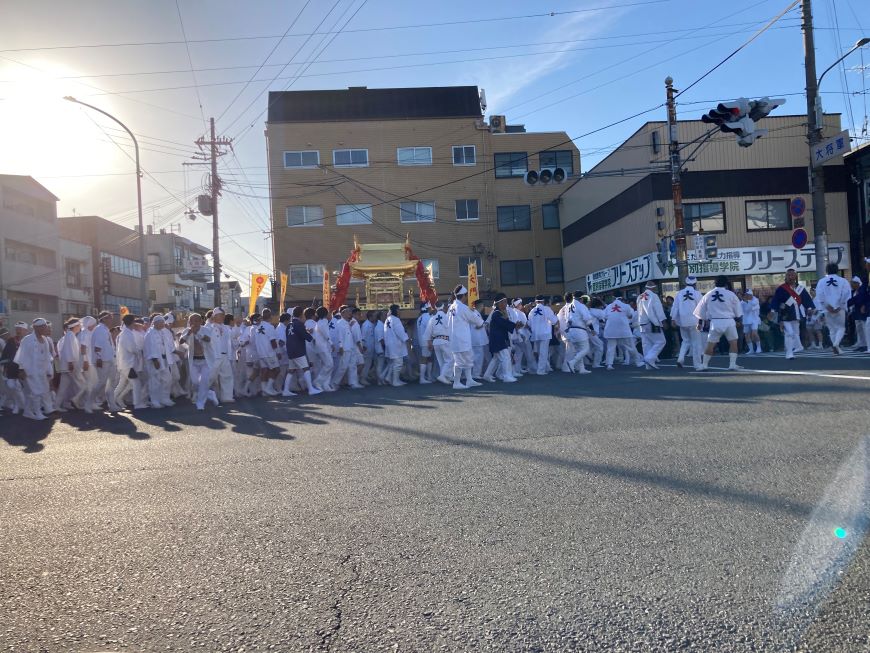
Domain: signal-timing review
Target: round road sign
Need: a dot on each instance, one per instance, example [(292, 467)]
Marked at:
[(799, 238), (797, 207)]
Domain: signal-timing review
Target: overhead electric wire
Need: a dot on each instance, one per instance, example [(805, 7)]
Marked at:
[(190, 61), (551, 14)]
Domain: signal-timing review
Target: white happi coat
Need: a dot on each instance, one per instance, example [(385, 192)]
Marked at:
[(395, 337), (34, 356), (685, 303), (618, 316), (460, 320)]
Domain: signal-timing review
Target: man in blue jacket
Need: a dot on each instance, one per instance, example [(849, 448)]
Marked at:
[(792, 301), (500, 329), (297, 360)]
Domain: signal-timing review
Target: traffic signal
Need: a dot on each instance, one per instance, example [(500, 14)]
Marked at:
[(711, 251), (545, 176), (739, 118)]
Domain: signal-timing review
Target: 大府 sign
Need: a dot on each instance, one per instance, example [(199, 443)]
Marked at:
[(830, 148), (731, 261)]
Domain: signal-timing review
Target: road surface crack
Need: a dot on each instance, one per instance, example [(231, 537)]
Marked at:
[(329, 637)]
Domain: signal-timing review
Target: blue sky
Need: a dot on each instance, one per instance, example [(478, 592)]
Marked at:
[(590, 63)]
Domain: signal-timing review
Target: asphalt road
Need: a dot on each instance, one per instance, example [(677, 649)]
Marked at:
[(621, 511)]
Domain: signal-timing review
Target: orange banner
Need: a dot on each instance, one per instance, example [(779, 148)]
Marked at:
[(283, 291), (258, 282), (473, 294), (326, 291)]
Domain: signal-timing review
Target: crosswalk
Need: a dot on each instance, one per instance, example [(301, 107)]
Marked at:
[(815, 353)]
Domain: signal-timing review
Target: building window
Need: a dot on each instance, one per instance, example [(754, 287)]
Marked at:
[(767, 215), (517, 273), (346, 214), (417, 211), (464, 155), (514, 218), (74, 274), (22, 303), (550, 216), (558, 159), (706, 216), (553, 270), (465, 261), (24, 253), (306, 273), (304, 216), (302, 159), (414, 156), (120, 265), (466, 210), (436, 268), (350, 158), (511, 164)]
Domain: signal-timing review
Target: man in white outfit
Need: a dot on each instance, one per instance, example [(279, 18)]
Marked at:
[(751, 319), (651, 317), (130, 363), (437, 337), (792, 302), (541, 321), (345, 352), (575, 324), (617, 330), (103, 359), (70, 358), (395, 345), (479, 343), (222, 345), (424, 348), (683, 315), (157, 358), (460, 321), (34, 359), (200, 357), (832, 296), (720, 308)]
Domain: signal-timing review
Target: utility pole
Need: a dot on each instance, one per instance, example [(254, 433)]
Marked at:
[(676, 185), (814, 135), (215, 150)]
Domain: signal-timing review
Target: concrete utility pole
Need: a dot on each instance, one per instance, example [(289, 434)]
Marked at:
[(814, 135), (214, 145), (676, 185)]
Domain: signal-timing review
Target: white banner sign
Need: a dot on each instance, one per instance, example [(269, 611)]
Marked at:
[(731, 261), (831, 148)]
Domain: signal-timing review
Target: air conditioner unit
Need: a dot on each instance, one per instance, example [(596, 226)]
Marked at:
[(497, 124)]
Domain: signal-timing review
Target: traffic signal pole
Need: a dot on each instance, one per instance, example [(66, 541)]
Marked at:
[(676, 185), (814, 135)]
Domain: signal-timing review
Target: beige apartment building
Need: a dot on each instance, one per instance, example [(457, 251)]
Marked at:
[(382, 163), (743, 195)]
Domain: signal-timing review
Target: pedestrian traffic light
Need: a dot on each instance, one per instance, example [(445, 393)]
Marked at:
[(545, 176), (711, 251)]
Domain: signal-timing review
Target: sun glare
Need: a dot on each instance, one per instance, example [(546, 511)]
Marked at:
[(42, 135)]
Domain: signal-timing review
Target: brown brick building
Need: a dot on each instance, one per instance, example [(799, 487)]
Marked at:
[(382, 163)]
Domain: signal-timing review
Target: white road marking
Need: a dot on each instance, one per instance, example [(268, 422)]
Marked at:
[(786, 372)]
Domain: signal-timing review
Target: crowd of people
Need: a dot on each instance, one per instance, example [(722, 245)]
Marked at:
[(150, 362)]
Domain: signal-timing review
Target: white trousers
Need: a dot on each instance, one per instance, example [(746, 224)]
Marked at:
[(125, 384), (102, 390), (860, 336), (344, 366), (627, 345), (462, 360), (444, 356), (200, 375), (222, 374), (836, 326), (500, 364), (576, 347), (159, 383), (542, 351), (71, 384), (477, 368), (324, 369), (652, 344), (792, 335), (692, 341), (596, 347)]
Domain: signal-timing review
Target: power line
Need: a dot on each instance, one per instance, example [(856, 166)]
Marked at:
[(265, 61), (551, 14), (190, 61)]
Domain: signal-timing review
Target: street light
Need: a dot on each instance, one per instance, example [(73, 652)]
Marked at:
[(815, 124), (143, 278)]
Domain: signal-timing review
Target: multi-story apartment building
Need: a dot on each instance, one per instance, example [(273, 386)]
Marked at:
[(613, 218), (382, 163), (178, 270), (30, 267)]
